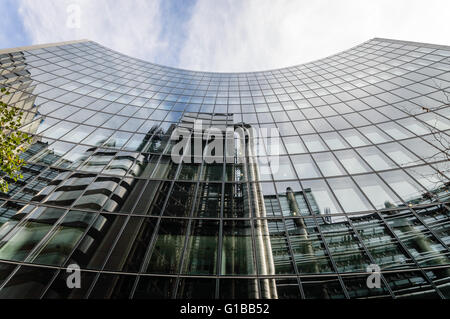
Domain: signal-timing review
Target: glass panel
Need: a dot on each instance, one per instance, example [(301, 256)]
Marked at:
[(328, 165), (78, 134), (282, 168), (27, 283), (400, 155), (238, 289), (22, 240), (345, 248), (62, 240), (321, 197), (272, 249), (189, 172), (351, 199), (375, 135), (357, 288), (166, 252), (424, 150), (305, 166), (286, 288), (209, 200), (314, 143), (378, 193), (394, 130), (109, 286), (352, 162), (294, 145), (322, 288), (376, 158), (154, 287), (129, 252), (403, 185), (180, 199), (334, 141), (201, 253), (237, 249), (420, 243), (427, 177), (381, 244), (59, 289), (196, 288), (354, 138)]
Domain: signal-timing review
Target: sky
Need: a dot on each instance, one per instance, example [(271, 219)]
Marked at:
[(224, 35)]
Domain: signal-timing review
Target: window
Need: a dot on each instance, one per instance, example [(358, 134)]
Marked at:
[(350, 197), (352, 162), (305, 166), (328, 165)]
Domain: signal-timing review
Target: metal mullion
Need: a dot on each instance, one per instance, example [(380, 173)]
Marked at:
[(49, 284), (344, 288), (412, 210), (323, 237), (116, 240), (58, 222), (248, 167), (253, 240), (42, 241), (366, 250), (46, 169), (405, 249), (47, 235), (400, 168), (348, 175), (290, 249), (324, 242), (389, 187), (147, 255), (11, 275), (73, 250), (439, 239), (122, 178), (21, 189), (186, 241), (318, 227), (222, 207), (421, 137)]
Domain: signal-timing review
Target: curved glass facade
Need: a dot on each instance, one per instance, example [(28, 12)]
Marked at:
[(354, 173)]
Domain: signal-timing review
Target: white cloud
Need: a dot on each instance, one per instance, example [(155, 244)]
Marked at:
[(263, 34), (132, 27), (238, 35)]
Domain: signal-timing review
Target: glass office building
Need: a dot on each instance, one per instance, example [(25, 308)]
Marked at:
[(356, 175)]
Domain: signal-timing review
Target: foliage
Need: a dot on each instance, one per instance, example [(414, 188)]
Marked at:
[(12, 142)]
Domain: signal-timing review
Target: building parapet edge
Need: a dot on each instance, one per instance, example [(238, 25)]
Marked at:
[(421, 44), (40, 46)]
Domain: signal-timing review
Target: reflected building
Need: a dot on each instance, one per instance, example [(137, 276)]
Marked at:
[(356, 175)]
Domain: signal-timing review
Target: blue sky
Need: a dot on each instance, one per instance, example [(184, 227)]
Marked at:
[(224, 35), (12, 32)]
